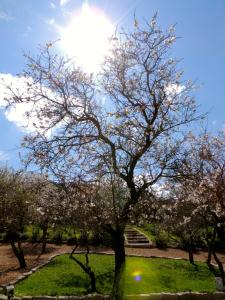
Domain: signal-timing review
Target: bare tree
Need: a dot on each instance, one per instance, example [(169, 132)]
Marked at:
[(136, 132)]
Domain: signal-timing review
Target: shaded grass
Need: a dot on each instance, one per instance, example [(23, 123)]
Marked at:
[(142, 275)]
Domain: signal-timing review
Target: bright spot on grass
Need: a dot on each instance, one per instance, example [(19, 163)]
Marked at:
[(137, 275)]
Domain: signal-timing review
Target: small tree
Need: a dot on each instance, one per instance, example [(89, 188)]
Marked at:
[(48, 205), (82, 217), (14, 200), (81, 220), (181, 218), (202, 176)]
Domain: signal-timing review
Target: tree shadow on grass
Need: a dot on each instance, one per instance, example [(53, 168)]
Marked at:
[(71, 281), (105, 280), (166, 281)]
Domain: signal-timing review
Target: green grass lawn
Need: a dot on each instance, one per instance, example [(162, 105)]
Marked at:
[(62, 276)]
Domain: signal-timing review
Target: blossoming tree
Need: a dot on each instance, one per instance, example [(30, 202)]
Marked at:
[(14, 200), (201, 186), (135, 132)]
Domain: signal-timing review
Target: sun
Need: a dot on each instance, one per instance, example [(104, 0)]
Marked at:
[(86, 38)]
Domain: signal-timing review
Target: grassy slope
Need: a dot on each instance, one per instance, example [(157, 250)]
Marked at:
[(143, 275), (148, 230)]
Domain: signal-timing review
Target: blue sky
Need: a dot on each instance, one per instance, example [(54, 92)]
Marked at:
[(25, 24)]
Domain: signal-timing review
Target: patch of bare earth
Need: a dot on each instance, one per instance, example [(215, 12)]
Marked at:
[(9, 267)]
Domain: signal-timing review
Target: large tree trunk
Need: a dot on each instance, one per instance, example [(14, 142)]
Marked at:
[(119, 249), (18, 251)]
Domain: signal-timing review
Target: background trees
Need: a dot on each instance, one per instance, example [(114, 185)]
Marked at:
[(200, 186), (14, 201), (48, 205)]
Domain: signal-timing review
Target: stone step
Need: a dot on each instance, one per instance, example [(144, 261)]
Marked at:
[(138, 242), (143, 246), (132, 233), (134, 238), (137, 238)]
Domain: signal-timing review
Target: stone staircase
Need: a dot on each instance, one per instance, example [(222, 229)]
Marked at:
[(136, 239)]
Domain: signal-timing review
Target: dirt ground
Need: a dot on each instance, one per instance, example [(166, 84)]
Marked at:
[(9, 270)]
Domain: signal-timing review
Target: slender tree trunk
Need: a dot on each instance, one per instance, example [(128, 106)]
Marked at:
[(209, 256), (86, 268), (93, 281), (220, 265), (119, 249), (209, 260), (18, 251), (191, 256), (44, 239), (210, 245)]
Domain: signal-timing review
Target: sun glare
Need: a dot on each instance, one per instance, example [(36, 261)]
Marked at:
[(86, 38)]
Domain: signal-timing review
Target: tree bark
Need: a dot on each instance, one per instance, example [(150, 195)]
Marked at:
[(191, 256), (93, 281), (210, 245), (86, 268), (119, 249), (220, 265), (19, 253), (44, 240), (209, 259)]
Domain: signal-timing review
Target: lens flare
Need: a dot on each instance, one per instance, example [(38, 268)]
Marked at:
[(86, 38), (137, 275)]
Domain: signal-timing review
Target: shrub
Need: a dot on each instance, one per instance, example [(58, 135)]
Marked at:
[(161, 240), (35, 234)]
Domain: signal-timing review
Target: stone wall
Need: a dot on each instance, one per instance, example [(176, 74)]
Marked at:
[(86, 297), (178, 296), (161, 296)]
